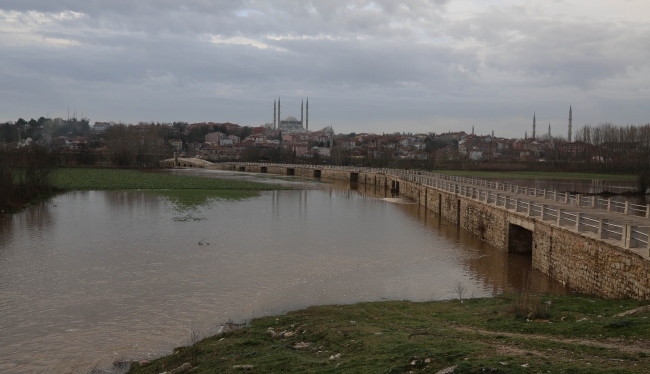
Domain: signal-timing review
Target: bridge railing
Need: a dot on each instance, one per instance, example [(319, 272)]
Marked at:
[(607, 228), (589, 224), (638, 236), (433, 179)]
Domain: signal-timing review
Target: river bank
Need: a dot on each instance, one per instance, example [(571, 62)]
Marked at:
[(561, 333)]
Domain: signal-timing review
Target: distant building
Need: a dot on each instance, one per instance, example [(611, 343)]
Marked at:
[(226, 141), (215, 153), (291, 123), (214, 137), (161, 129), (177, 144), (322, 151), (101, 127)]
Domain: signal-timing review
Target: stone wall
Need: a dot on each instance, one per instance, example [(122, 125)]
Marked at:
[(590, 265)]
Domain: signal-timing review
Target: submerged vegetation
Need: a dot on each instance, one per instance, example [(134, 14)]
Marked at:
[(188, 203), (122, 179), (576, 334)]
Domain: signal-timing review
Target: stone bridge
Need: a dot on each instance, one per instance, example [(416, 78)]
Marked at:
[(186, 162), (589, 244)]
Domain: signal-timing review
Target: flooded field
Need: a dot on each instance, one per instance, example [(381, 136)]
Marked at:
[(89, 278)]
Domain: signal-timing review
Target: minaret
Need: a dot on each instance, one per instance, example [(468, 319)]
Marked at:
[(302, 106), (533, 125), (472, 129), (279, 117), (570, 119), (526, 135), (307, 117), (274, 115), (492, 133), (549, 131)]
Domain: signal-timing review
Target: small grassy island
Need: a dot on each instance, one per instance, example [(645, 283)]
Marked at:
[(560, 334)]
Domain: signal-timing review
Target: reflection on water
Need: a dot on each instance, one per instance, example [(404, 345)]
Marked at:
[(91, 277), (189, 203)]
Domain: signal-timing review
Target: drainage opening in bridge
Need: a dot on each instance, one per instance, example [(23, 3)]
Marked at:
[(354, 177), (316, 173), (242, 168), (520, 240), (264, 170), (291, 171)]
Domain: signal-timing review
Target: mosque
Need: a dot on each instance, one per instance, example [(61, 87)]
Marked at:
[(548, 137), (291, 123)]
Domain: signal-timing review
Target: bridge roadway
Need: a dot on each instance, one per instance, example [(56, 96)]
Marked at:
[(582, 241)]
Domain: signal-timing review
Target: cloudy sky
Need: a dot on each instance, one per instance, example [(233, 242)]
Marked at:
[(367, 66)]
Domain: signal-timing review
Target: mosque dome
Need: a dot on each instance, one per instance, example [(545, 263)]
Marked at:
[(292, 119)]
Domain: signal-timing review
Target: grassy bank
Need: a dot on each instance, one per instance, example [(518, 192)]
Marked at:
[(576, 334), (67, 179), (536, 175)]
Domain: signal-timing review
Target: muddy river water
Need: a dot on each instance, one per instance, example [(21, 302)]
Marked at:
[(89, 278)]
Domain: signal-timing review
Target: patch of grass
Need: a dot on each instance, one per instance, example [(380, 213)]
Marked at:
[(402, 336), (120, 179), (536, 175)]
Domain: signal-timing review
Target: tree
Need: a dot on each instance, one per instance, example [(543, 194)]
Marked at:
[(251, 154)]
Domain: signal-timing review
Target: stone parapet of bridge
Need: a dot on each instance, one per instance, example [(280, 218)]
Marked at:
[(185, 163)]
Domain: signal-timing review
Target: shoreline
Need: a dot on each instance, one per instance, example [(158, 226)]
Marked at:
[(507, 332)]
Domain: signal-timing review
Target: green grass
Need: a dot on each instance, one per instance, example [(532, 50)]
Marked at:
[(120, 179), (536, 175), (399, 337)]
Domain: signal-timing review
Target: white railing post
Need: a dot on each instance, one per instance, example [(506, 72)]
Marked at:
[(647, 215), (593, 201), (626, 235), (544, 207), (602, 229), (627, 207), (559, 217), (578, 199), (578, 217), (609, 204)]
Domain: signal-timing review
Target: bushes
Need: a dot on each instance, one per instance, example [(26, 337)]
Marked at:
[(24, 174)]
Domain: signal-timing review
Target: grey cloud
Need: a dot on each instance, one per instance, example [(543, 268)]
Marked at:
[(367, 64), (557, 52)]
